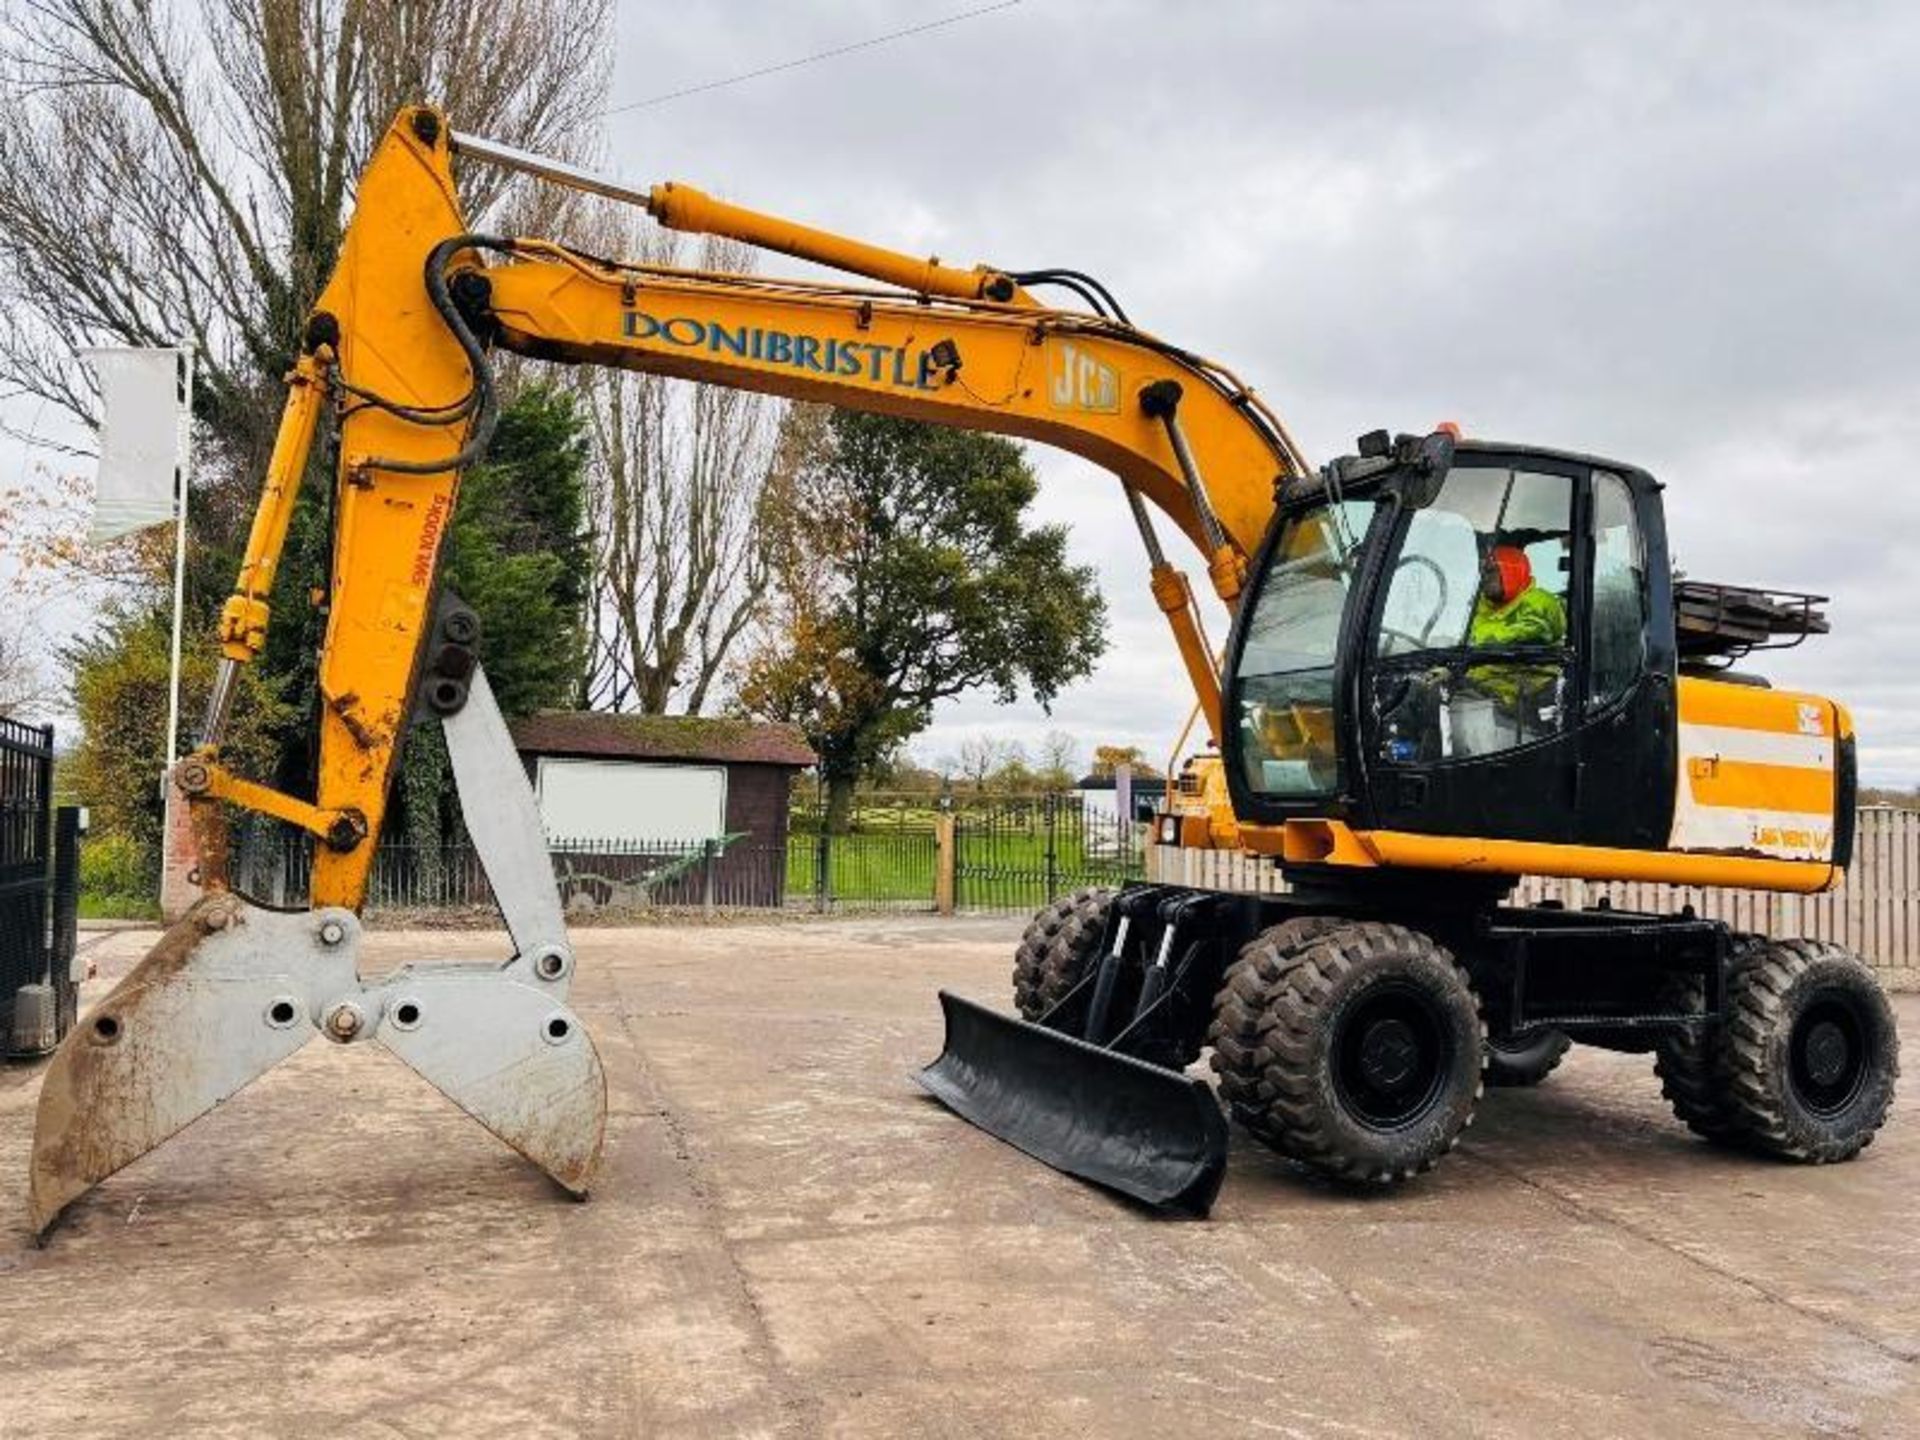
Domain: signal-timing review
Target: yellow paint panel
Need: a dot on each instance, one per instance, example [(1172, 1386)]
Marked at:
[(815, 343), (1586, 862), (1330, 842), (1748, 707), (1744, 785)]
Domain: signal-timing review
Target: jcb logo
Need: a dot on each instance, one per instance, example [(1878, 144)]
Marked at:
[(1080, 382)]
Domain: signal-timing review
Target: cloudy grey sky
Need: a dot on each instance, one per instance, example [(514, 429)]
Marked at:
[(1675, 234), (1681, 235)]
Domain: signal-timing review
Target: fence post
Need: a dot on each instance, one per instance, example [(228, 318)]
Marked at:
[(66, 907), (943, 863), (1053, 853), (823, 870), (706, 876)]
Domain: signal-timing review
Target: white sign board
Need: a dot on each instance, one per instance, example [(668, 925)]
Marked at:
[(144, 435), (617, 800)]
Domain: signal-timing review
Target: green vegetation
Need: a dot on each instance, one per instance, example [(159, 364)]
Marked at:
[(517, 551), (117, 881), (907, 574), (888, 853), (120, 679)]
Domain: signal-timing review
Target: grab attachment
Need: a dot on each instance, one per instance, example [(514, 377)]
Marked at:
[(232, 989)]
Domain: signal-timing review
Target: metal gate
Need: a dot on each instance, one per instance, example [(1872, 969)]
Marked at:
[(39, 894), (1022, 852)]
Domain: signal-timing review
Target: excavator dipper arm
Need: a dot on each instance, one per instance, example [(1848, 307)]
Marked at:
[(394, 363)]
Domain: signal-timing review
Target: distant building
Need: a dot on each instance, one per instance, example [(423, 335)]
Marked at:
[(1097, 795), (665, 787)]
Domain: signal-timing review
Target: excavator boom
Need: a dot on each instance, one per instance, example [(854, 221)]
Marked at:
[(394, 367)]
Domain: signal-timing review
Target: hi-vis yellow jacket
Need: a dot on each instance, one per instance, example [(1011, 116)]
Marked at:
[(1533, 617)]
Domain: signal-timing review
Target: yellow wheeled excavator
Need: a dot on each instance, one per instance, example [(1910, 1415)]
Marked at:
[(1452, 663)]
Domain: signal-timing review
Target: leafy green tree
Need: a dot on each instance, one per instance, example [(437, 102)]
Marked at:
[(907, 574), (518, 550), (120, 680), (1108, 758)]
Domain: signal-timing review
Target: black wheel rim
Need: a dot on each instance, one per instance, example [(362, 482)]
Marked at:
[(1391, 1057), (1829, 1054)]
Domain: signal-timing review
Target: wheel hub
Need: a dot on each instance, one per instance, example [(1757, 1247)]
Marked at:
[(1828, 1055), (1391, 1055)]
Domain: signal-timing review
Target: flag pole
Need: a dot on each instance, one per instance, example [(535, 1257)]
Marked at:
[(183, 448)]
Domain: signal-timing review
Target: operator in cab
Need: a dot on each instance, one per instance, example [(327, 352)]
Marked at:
[(1510, 610)]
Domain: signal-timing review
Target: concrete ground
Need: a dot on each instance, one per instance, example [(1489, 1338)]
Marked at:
[(788, 1239)]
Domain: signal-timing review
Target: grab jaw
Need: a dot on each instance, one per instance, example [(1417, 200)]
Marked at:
[(233, 989)]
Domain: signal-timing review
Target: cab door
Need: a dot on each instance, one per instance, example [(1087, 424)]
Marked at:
[(1471, 722), (1624, 788)]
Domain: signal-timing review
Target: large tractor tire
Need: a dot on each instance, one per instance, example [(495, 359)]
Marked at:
[(1809, 1054), (1367, 1056), (1527, 1060), (1685, 1060), (1240, 1008), (1061, 944)]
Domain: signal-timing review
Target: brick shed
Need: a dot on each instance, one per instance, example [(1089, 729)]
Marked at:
[(653, 790)]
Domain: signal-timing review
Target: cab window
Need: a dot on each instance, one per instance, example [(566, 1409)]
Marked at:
[(1619, 594), (1287, 658), (1471, 639)]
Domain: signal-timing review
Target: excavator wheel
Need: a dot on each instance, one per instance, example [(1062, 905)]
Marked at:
[(1240, 1009), (1527, 1060), (1807, 1060), (1367, 1062), (1684, 1061), (1060, 945)]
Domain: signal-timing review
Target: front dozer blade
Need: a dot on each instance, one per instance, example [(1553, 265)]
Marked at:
[(1148, 1132)]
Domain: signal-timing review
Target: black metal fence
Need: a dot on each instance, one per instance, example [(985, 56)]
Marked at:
[(1024, 851), (38, 892), (809, 872), (1005, 854)]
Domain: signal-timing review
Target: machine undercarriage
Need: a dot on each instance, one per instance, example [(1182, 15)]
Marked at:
[(1354, 1031)]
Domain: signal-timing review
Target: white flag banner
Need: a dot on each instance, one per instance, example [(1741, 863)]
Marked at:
[(144, 436)]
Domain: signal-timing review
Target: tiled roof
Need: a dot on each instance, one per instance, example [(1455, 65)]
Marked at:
[(660, 737)]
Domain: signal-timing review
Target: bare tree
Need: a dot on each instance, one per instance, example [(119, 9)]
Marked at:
[(25, 691), (1059, 754), (979, 757), (175, 171), (674, 490)]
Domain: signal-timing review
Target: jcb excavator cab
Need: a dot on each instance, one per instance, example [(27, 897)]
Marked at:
[(1387, 672)]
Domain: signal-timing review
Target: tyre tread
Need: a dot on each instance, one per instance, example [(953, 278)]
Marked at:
[(1265, 1037)]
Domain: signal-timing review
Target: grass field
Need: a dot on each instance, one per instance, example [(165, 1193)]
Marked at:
[(998, 869)]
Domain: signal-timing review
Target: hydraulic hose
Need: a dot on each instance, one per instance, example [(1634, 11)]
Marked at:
[(480, 400)]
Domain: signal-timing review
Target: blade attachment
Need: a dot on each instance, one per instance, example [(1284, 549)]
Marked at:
[(1157, 1135)]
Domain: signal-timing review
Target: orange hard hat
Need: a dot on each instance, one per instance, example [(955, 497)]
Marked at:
[(1516, 571)]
